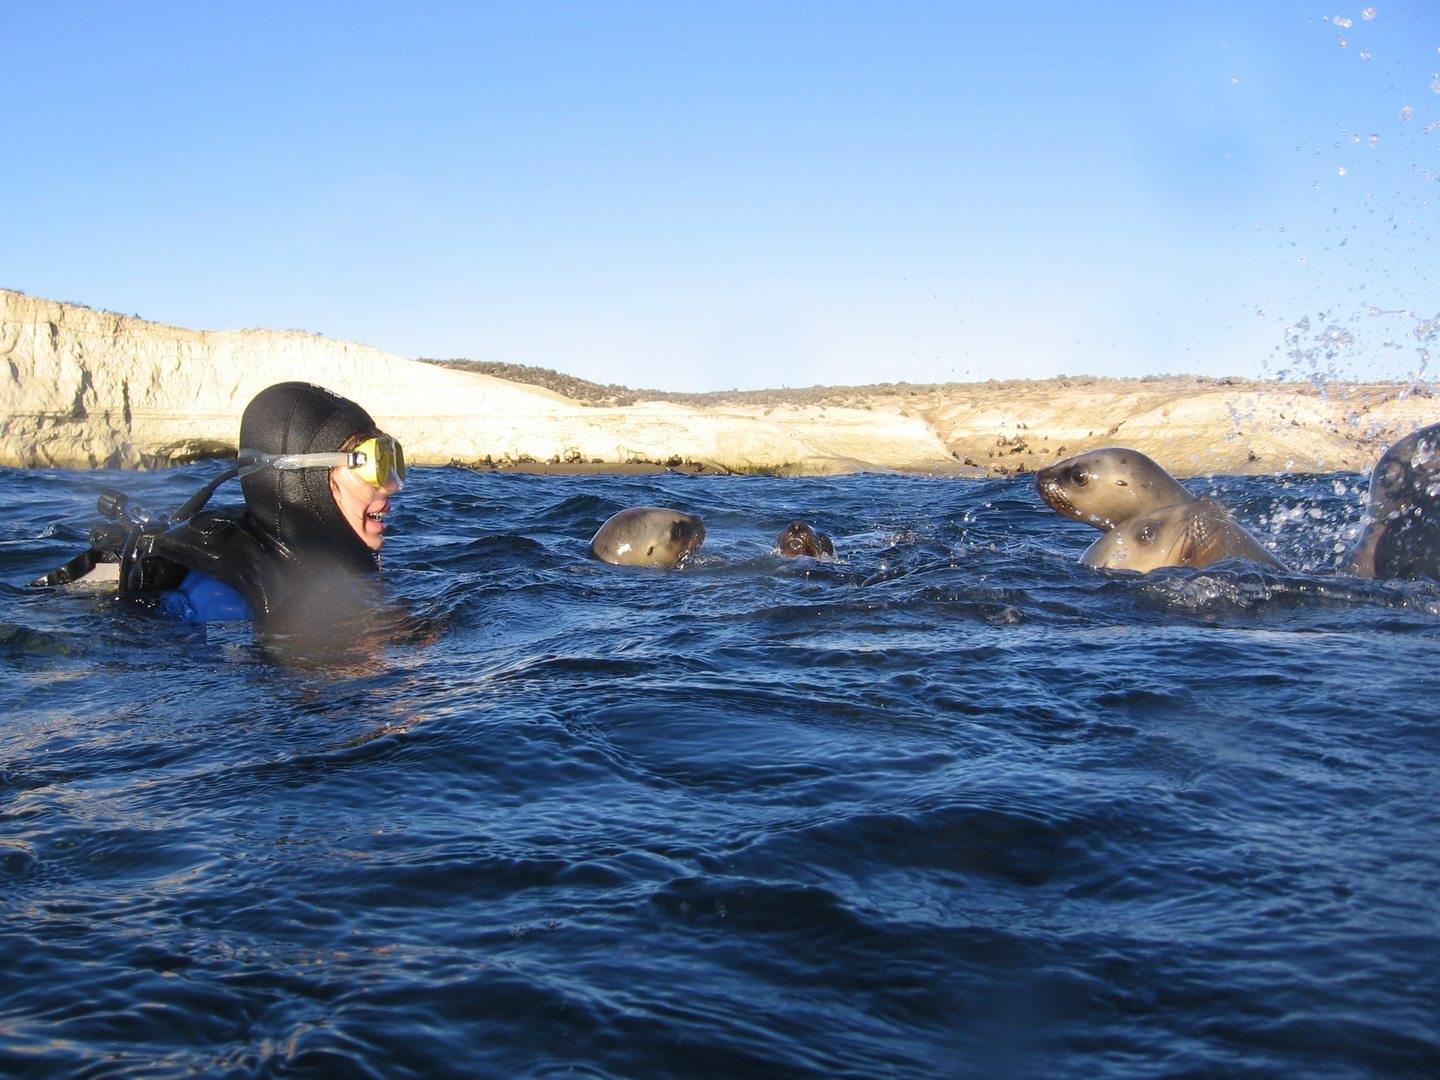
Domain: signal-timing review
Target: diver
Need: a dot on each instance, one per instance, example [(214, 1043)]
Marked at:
[(317, 476)]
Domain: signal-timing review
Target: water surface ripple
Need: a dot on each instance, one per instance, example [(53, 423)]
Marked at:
[(950, 805)]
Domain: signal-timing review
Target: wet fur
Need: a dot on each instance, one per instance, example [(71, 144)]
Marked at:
[(1402, 537), (1196, 533), (1105, 487), (798, 538), (648, 536)]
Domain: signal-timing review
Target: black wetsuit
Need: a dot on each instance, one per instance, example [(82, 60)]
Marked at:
[(288, 551)]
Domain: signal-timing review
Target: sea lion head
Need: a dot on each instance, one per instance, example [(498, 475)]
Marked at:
[(798, 538), (1196, 533), (1107, 486), (648, 536), (1403, 537)]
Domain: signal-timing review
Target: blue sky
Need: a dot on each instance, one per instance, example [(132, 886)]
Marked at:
[(704, 196)]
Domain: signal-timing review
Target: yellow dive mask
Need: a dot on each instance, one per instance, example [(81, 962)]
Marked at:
[(379, 460)]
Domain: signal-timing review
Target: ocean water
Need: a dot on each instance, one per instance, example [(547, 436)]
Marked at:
[(949, 805)]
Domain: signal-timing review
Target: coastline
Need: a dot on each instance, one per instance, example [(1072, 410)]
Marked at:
[(81, 388)]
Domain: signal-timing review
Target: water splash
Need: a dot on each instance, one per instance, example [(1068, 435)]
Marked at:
[(1419, 385), (1368, 14), (1336, 337)]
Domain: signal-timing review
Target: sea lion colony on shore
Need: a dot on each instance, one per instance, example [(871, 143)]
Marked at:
[(1147, 518)]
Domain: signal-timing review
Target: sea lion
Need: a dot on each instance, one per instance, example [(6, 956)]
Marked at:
[(1195, 532), (1105, 487), (1402, 537), (798, 538), (648, 536)]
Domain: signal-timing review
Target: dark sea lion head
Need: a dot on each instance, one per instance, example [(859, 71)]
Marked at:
[(1107, 486), (1402, 539), (798, 538), (1407, 474)]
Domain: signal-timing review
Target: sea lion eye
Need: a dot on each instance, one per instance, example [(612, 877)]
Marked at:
[(1146, 535), (1079, 477)]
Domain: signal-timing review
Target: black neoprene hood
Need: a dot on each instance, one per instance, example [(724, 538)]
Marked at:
[(296, 506)]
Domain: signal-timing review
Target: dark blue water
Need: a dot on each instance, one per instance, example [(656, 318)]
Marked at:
[(952, 805)]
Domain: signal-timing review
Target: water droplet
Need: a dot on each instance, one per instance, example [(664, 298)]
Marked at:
[(1340, 40), (1368, 14), (1343, 22), (1406, 113), (1374, 140), (1435, 86), (1366, 55), (1337, 337), (1341, 171)]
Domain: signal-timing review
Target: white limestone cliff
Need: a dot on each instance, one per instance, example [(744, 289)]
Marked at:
[(85, 388)]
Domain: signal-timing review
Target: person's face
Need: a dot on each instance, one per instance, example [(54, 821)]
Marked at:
[(363, 505)]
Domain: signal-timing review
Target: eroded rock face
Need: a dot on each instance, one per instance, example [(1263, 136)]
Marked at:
[(85, 388)]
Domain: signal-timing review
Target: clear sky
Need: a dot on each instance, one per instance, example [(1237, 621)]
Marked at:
[(700, 196)]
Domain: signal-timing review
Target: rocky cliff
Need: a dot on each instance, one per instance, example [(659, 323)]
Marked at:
[(86, 388)]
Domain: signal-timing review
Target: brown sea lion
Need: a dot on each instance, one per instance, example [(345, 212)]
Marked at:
[(1195, 532), (798, 538), (1105, 487), (1402, 537), (648, 536)]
